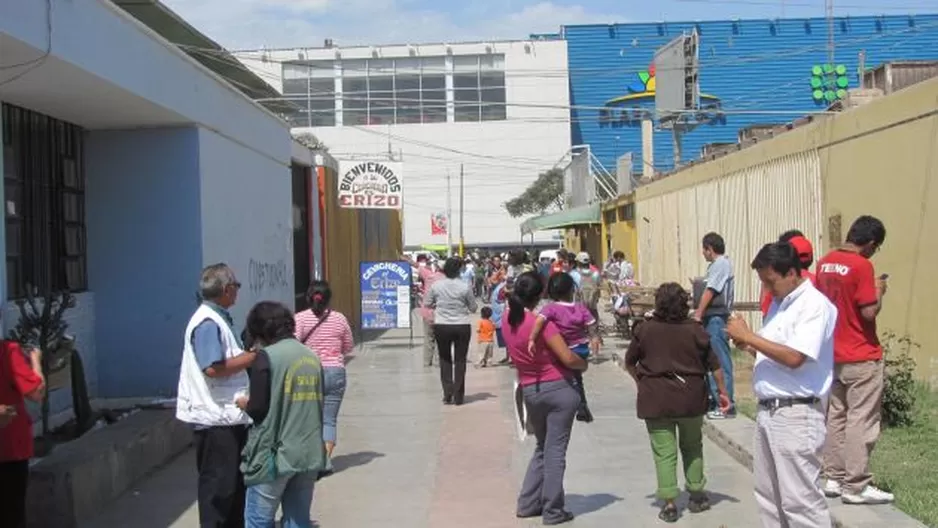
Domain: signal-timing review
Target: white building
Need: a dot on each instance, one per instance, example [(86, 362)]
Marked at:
[(498, 111), (128, 167)]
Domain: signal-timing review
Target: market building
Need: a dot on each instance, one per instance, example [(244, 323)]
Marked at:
[(491, 114), (752, 74)]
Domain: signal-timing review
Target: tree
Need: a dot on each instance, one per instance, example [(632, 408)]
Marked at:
[(544, 194), (310, 141)]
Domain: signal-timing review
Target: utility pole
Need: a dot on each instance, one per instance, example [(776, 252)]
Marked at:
[(462, 212), (829, 12), (449, 214)]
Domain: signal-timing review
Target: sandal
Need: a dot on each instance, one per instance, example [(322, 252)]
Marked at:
[(669, 513)]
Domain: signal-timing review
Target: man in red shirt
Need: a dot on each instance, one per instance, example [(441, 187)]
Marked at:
[(805, 254), (846, 276), (19, 379)]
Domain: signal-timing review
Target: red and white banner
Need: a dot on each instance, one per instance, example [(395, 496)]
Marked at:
[(370, 185), (439, 224)]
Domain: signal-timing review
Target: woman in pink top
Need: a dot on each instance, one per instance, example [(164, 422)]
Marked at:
[(327, 333), (545, 373)]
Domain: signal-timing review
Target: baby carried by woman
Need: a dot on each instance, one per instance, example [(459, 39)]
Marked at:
[(576, 324)]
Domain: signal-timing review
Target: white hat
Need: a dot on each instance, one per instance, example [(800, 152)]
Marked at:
[(583, 257)]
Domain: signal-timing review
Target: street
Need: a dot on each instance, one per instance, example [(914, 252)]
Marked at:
[(405, 460)]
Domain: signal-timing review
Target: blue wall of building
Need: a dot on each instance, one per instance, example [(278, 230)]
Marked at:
[(748, 66), (144, 254)]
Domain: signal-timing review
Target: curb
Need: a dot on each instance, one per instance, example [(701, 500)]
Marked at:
[(734, 437)]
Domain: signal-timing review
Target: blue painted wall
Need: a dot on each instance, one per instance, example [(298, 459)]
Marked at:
[(750, 65), (144, 254)]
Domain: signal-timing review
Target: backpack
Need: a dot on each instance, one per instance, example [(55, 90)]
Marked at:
[(589, 290)]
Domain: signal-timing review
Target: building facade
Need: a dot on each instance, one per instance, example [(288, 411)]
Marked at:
[(492, 113), (129, 166), (752, 72)]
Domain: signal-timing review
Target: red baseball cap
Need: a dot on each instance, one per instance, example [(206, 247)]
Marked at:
[(803, 247)]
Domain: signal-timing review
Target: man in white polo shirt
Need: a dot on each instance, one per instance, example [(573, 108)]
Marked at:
[(792, 377)]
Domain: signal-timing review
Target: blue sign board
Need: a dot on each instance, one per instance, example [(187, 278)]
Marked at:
[(385, 288)]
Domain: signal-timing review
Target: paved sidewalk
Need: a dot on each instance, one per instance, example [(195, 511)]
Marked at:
[(405, 460)]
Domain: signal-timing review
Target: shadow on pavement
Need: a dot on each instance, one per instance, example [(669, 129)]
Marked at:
[(715, 498), (583, 504), (481, 396), (342, 462)]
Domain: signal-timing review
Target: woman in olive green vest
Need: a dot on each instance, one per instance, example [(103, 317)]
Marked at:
[(284, 452)]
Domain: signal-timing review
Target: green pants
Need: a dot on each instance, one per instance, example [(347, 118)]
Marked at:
[(667, 435)]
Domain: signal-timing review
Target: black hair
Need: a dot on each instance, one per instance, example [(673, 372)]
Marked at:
[(486, 312), (452, 267), (422, 258), (671, 303), (560, 287), (865, 230), (517, 257), (270, 322), (790, 234), (525, 294), (778, 256), (618, 255), (715, 242), (319, 295)]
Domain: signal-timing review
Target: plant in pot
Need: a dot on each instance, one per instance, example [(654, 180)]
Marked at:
[(42, 325)]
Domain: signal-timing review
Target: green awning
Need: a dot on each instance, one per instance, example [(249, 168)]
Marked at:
[(587, 215)]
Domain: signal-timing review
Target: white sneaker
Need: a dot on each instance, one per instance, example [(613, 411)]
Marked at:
[(832, 489), (870, 495)]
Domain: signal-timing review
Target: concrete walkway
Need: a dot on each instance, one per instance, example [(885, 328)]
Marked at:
[(405, 460)]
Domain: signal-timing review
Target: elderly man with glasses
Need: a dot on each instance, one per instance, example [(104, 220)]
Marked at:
[(212, 376)]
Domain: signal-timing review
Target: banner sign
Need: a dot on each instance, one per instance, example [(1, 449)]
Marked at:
[(438, 224), (385, 288), (370, 185)]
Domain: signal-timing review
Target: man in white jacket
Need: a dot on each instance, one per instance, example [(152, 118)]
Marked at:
[(211, 377)]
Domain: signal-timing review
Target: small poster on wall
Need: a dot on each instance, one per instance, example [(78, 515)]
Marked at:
[(370, 185), (385, 288), (438, 224)]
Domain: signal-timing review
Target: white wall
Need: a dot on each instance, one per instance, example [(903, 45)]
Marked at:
[(247, 209), (501, 158)]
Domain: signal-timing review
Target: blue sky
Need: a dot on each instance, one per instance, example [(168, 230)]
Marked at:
[(251, 24)]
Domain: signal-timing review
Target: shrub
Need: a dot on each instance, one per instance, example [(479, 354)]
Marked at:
[(899, 392)]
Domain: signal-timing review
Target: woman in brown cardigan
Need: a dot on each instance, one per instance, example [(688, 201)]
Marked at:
[(669, 358)]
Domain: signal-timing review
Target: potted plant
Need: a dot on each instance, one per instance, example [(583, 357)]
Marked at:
[(42, 325)]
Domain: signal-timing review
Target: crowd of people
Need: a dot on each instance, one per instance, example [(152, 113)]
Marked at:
[(264, 404)]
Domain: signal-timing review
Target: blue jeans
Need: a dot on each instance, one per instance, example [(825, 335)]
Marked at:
[(293, 492), (716, 327), (333, 390)]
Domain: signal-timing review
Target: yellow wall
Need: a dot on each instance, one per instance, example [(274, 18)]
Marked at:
[(619, 234), (877, 159)]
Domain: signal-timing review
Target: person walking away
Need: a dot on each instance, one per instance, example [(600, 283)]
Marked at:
[(453, 305), (588, 284), (284, 452), (847, 278), (713, 308), (794, 354), (805, 254), (211, 375), (546, 380), (576, 325), (428, 277), (328, 334), (669, 358), (20, 379), (486, 337)]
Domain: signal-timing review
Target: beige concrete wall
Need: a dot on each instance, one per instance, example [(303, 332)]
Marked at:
[(878, 159)]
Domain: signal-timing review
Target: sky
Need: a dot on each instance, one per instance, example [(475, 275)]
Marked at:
[(254, 24)]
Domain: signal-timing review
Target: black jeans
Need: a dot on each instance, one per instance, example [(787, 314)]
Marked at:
[(221, 485), (452, 342), (13, 479)]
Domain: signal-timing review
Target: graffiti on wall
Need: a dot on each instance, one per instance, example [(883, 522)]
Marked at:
[(267, 275)]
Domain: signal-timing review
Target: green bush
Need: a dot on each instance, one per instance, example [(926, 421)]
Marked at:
[(899, 392)]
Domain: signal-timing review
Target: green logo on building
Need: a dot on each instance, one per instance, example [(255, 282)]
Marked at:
[(829, 83)]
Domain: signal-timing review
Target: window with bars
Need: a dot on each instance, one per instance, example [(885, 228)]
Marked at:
[(44, 195)]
